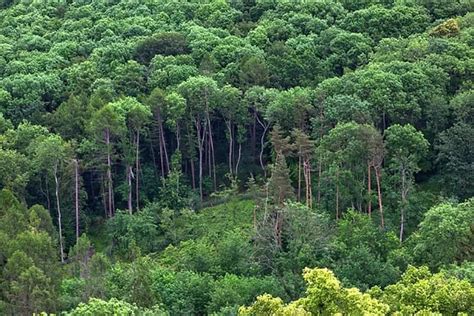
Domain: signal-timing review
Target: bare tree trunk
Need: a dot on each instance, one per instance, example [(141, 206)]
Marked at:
[(231, 145), (253, 137), (163, 144), (200, 145), (76, 195), (369, 190), (299, 178), (178, 138), (307, 178), (58, 207), (212, 151), (109, 174), (238, 160), (48, 200), (162, 163), (262, 143), (379, 195), (402, 209), (102, 193), (320, 172), (137, 170), (129, 182)]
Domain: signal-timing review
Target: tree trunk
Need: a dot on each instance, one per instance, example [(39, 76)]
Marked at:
[(109, 174), (76, 195), (137, 170), (404, 201), (238, 160), (253, 137), (129, 183), (231, 145), (379, 194), (58, 207), (262, 144), (162, 162), (307, 178), (299, 178), (163, 144), (369, 191), (320, 172), (200, 147), (212, 151)]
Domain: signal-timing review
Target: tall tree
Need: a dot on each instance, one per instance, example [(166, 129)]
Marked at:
[(200, 93), (107, 124), (51, 154), (405, 148)]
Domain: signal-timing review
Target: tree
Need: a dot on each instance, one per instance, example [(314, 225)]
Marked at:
[(455, 158), (258, 100), (324, 295), (106, 124), (445, 234), (166, 43), (235, 117), (50, 155), (405, 148), (114, 306), (137, 117), (200, 93), (420, 291)]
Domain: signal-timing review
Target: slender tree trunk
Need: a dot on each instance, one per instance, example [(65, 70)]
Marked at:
[(200, 145), (262, 144), (129, 183), (379, 194), (253, 136), (163, 149), (299, 177), (212, 151), (307, 178), (48, 200), (369, 190), (109, 174), (402, 209), (162, 162), (238, 160), (320, 172), (58, 207), (76, 195), (231, 145), (103, 195), (137, 170), (178, 138), (310, 187)]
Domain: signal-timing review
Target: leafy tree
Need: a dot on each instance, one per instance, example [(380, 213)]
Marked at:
[(421, 291), (406, 147), (444, 235), (324, 294), (455, 158)]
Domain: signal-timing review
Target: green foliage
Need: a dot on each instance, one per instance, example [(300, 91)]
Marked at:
[(360, 109), (324, 295), (421, 291), (445, 235)]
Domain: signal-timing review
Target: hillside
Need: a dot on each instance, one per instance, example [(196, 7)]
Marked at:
[(252, 157)]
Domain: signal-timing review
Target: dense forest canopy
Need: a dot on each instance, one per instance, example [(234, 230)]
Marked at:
[(252, 157)]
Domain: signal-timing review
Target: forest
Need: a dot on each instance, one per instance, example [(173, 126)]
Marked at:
[(241, 157)]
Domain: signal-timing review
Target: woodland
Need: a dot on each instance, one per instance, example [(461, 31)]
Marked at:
[(244, 157)]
